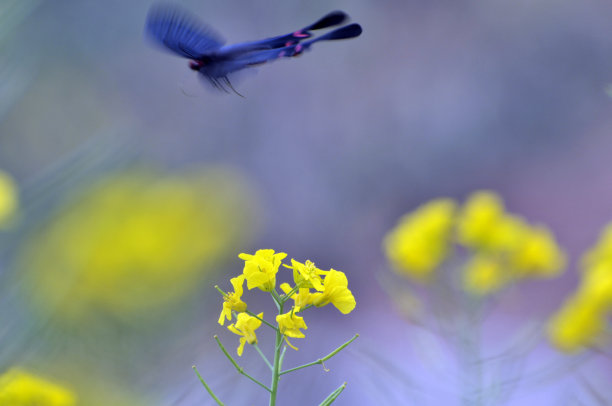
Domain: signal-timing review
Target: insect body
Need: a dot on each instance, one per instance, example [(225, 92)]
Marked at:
[(183, 34)]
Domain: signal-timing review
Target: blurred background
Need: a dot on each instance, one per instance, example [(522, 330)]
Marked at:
[(138, 186)]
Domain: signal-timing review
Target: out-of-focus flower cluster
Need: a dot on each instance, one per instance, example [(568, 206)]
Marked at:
[(8, 198), (582, 320), (20, 388), (260, 271), (135, 242), (501, 247)]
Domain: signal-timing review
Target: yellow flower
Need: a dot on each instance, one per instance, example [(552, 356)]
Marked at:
[(538, 254), (302, 298), (260, 269), (20, 388), (307, 275), (233, 301), (602, 251), (421, 240), (596, 286), (505, 246), (483, 275), (8, 198), (582, 321), (577, 325), (245, 327), (290, 324), (481, 213), (336, 292), (483, 224), (134, 244)]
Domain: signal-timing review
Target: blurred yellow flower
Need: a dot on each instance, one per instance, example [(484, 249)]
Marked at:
[(136, 242), (260, 269), (537, 254), (421, 240), (596, 286), (8, 198), (577, 325), (601, 252), (483, 275), (582, 320), (336, 292), (245, 327), (20, 388), (505, 246), (499, 247), (478, 223), (483, 224)]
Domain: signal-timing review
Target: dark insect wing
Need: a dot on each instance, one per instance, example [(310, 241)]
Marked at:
[(263, 56), (181, 32), (346, 32), (328, 20)]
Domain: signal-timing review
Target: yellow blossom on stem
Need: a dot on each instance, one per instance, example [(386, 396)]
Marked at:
[(245, 327), (483, 275), (20, 388), (302, 298), (232, 300), (336, 292), (421, 240), (260, 269), (307, 275), (290, 324)]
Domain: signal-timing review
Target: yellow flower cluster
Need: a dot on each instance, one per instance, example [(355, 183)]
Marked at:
[(20, 388), (8, 198), (260, 271), (135, 243), (421, 240), (582, 321), (502, 247)]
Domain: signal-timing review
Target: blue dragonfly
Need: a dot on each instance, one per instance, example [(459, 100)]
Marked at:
[(183, 34)]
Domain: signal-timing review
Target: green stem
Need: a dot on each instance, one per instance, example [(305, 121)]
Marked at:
[(277, 300), (210, 392), (282, 357), (325, 358), (290, 293), (305, 308), (263, 356), (277, 358), (470, 352), (238, 367)]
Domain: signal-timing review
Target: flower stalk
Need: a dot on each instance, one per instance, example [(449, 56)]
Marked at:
[(277, 359)]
